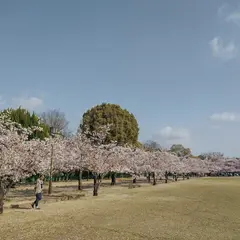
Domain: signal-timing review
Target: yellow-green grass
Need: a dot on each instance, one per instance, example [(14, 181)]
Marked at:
[(194, 209)]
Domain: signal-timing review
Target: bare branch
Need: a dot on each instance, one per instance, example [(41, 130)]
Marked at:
[(55, 118)]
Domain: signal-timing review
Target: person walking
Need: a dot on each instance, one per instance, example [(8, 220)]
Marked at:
[(38, 191)]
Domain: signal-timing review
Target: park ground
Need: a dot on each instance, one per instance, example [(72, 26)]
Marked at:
[(206, 208)]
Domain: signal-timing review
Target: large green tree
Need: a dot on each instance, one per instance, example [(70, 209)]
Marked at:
[(123, 125), (28, 120)]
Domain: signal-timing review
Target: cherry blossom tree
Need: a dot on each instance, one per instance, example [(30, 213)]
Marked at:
[(77, 151), (17, 160), (102, 158), (101, 162), (21, 157), (134, 162), (53, 156), (156, 164)]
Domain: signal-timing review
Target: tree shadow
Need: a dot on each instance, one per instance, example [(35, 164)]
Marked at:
[(16, 206), (64, 189), (15, 193)]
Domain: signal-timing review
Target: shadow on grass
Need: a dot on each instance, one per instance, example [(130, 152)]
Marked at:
[(17, 206), (59, 190)]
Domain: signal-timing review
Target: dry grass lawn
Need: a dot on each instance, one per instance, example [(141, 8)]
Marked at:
[(199, 209)]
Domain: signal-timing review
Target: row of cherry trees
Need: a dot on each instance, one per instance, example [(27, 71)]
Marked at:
[(21, 157)]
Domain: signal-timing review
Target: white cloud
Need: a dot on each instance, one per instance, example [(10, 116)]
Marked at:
[(230, 16), (234, 17), (30, 103), (225, 52), (169, 135), (225, 117)]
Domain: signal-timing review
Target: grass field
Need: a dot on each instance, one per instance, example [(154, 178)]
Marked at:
[(186, 210)]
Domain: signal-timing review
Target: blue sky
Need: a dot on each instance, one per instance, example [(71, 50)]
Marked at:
[(173, 64)]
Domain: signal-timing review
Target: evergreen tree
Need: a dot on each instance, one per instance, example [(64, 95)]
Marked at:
[(124, 127), (28, 120)]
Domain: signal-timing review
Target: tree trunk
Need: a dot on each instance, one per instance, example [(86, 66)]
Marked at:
[(80, 180), (95, 187), (51, 172), (149, 178), (166, 177), (1, 198), (50, 186), (87, 175), (135, 180), (96, 184), (113, 176), (176, 178), (67, 177), (183, 176), (154, 179)]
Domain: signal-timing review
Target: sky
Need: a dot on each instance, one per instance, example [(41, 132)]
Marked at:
[(173, 64)]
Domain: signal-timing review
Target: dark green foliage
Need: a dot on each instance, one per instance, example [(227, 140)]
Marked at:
[(28, 120), (124, 127)]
